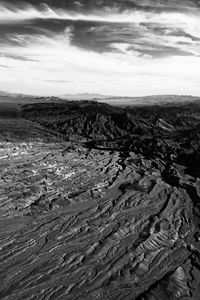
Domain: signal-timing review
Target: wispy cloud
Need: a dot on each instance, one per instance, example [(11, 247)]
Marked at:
[(130, 52), (106, 14), (56, 59)]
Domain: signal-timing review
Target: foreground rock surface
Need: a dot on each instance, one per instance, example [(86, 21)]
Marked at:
[(92, 222)]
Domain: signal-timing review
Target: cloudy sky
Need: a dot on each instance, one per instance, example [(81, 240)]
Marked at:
[(121, 47)]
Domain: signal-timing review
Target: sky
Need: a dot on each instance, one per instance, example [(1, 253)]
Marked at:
[(121, 47)]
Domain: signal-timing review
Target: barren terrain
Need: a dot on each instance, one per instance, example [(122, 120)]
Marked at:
[(100, 202)]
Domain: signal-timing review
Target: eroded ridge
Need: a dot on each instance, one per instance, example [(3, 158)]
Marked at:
[(80, 223)]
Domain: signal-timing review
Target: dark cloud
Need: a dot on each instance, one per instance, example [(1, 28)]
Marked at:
[(98, 37), (98, 4), (163, 51)]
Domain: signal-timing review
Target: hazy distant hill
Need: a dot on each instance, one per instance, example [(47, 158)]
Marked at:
[(13, 95), (150, 100), (112, 100), (85, 96)]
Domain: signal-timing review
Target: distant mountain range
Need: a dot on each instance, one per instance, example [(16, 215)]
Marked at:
[(14, 95), (124, 100), (112, 100), (84, 96), (6, 94), (151, 100)]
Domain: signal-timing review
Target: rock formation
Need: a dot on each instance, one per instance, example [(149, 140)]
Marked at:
[(100, 202)]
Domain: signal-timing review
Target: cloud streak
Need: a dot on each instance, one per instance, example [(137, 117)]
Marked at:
[(55, 59), (114, 50), (106, 15)]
